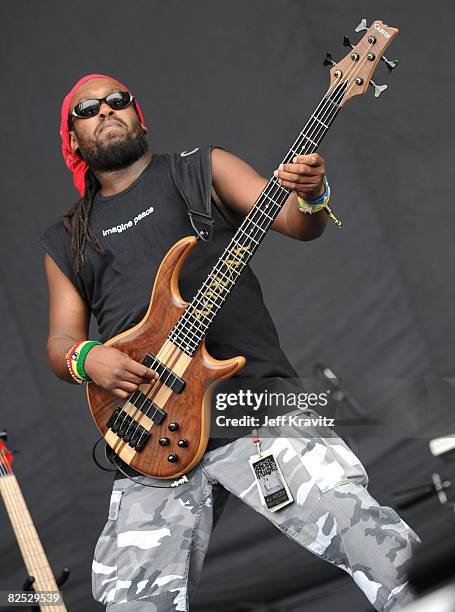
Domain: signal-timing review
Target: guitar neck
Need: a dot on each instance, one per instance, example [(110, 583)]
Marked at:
[(28, 540), (192, 326)]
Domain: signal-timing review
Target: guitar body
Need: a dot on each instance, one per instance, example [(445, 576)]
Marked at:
[(188, 408)]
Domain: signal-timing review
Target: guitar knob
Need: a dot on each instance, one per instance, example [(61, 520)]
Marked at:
[(173, 426), (328, 60), (172, 458), (164, 441), (182, 443), (391, 64), (378, 89), (362, 26)]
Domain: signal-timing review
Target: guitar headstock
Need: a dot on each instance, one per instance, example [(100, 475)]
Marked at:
[(352, 75), (6, 458)]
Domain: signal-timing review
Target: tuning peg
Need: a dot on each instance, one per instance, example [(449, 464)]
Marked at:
[(347, 42), (391, 64), (362, 26), (378, 89), (328, 60)]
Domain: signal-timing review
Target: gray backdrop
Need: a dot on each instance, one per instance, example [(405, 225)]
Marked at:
[(373, 300)]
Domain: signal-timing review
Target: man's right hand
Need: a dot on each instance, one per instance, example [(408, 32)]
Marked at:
[(114, 371)]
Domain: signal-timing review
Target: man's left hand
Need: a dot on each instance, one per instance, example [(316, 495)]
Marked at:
[(304, 176)]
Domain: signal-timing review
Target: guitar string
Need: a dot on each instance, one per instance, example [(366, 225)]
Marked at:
[(257, 218), (42, 574), (326, 102), (342, 92), (148, 394), (150, 391), (196, 302), (329, 104), (200, 295)]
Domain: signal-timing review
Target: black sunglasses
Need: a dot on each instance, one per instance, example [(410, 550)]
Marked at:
[(117, 100)]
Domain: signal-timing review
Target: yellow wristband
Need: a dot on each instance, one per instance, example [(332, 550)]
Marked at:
[(317, 205)]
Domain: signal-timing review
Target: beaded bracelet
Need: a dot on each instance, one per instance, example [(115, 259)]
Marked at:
[(69, 363), (75, 359)]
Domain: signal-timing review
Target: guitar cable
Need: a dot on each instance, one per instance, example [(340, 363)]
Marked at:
[(111, 457)]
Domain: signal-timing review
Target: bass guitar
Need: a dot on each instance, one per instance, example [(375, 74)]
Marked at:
[(162, 429)]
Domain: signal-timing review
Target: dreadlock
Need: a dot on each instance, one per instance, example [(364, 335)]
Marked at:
[(77, 222)]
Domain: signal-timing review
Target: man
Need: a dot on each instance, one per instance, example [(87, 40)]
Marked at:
[(100, 259)]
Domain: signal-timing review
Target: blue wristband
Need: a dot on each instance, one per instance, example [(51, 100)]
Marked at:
[(312, 206), (324, 195)]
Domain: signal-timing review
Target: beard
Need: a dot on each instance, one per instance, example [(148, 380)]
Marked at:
[(116, 154)]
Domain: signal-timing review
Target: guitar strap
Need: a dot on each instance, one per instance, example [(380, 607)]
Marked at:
[(192, 173)]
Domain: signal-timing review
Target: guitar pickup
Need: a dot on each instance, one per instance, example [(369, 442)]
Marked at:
[(114, 420), (147, 407), (128, 430), (167, 376), (139, 438)]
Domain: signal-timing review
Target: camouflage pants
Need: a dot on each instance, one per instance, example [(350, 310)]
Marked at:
[(150, 553)]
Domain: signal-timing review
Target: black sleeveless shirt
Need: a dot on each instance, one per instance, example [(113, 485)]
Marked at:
[(136, 228)]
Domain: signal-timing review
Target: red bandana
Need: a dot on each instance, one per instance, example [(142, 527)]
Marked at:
[(73, 160)]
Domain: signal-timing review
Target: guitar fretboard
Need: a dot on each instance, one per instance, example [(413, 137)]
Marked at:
[(194, 323)]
